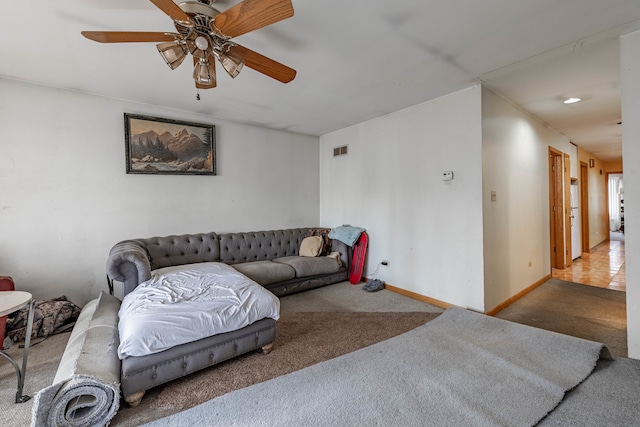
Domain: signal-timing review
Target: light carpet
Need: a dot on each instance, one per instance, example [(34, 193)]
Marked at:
[(582, 311), (462, 368)]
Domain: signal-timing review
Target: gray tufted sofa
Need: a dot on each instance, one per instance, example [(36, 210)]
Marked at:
[(267, 257), (270, 258)]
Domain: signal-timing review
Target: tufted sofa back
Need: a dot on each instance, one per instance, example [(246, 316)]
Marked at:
[(260, 245), (132, 261), (184, 249)]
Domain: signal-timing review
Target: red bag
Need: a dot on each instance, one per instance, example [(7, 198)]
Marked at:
[(6, 284)]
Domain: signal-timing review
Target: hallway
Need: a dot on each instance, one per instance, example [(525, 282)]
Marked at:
[(603, 267)]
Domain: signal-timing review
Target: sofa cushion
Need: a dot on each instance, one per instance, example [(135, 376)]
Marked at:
[(311, 246), (308, 266), (324, 234), (266, 272)]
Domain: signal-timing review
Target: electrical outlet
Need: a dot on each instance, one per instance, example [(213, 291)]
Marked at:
[(384, 262)]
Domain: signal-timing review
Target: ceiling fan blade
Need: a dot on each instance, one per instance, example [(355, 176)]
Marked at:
[(250, 15), (129, 36), (264, 65), (171, 9)]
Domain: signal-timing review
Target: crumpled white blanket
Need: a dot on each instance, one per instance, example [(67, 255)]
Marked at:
[(186, 303)]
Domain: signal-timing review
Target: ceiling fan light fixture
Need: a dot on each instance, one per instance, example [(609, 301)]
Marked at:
[(202, 43), (572, 100), (173, 53), (204, 73), (200, 47), (231, 64)]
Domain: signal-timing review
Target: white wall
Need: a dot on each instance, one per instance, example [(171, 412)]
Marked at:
[(630, 87), (516, 225), (65, 198), (390, 183)]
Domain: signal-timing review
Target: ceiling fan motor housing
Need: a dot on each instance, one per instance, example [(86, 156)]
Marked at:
[(201, 14)]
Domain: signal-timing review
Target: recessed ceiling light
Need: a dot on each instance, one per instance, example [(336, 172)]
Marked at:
[(572, 100)]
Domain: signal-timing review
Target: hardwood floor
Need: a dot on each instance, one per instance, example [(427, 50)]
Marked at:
[(603, 267)]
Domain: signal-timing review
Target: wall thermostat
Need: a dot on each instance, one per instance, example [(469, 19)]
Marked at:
[(447, 175)]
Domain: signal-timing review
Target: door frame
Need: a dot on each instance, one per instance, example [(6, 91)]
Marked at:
[(556, 211), (606, 196), (584, 206), (568, 258)]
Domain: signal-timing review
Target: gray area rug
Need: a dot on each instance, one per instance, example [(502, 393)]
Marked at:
[(608, 397), (86, 389), (462, 368)]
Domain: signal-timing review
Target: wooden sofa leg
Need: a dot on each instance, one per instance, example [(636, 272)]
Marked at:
[(267, 348), (134, 399)]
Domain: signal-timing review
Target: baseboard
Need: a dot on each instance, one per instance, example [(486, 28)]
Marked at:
[(418, 297), (446, 305), (495, 310)]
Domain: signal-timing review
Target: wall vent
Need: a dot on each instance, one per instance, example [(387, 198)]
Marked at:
[(340, 151)]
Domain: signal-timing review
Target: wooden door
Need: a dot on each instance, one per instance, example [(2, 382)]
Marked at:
[(556, 211)]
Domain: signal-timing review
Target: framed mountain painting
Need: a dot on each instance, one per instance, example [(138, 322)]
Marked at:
[(161, 146)]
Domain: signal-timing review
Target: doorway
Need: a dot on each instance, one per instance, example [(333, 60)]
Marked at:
[(615, 197), (603, 265), (576, 223)]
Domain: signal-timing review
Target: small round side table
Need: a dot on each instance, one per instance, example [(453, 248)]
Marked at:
[(11, 301)]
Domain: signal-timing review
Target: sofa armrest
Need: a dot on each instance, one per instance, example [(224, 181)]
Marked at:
[(129, 263)]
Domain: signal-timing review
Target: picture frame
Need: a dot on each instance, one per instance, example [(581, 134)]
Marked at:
[(160, 146)]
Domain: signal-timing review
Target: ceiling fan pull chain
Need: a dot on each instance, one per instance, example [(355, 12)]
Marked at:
[(198, 94)]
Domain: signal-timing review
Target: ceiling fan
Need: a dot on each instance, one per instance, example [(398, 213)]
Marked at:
[(206, 33)]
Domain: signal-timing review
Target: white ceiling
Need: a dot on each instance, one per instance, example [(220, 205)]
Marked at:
[(356, 59)]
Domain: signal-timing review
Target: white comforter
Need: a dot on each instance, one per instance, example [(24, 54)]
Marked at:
[(189, 302)]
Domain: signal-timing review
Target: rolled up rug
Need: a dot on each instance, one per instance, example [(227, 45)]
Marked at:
[(86, 389)]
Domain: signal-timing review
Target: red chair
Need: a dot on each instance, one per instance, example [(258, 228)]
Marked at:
[(6, 284)]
